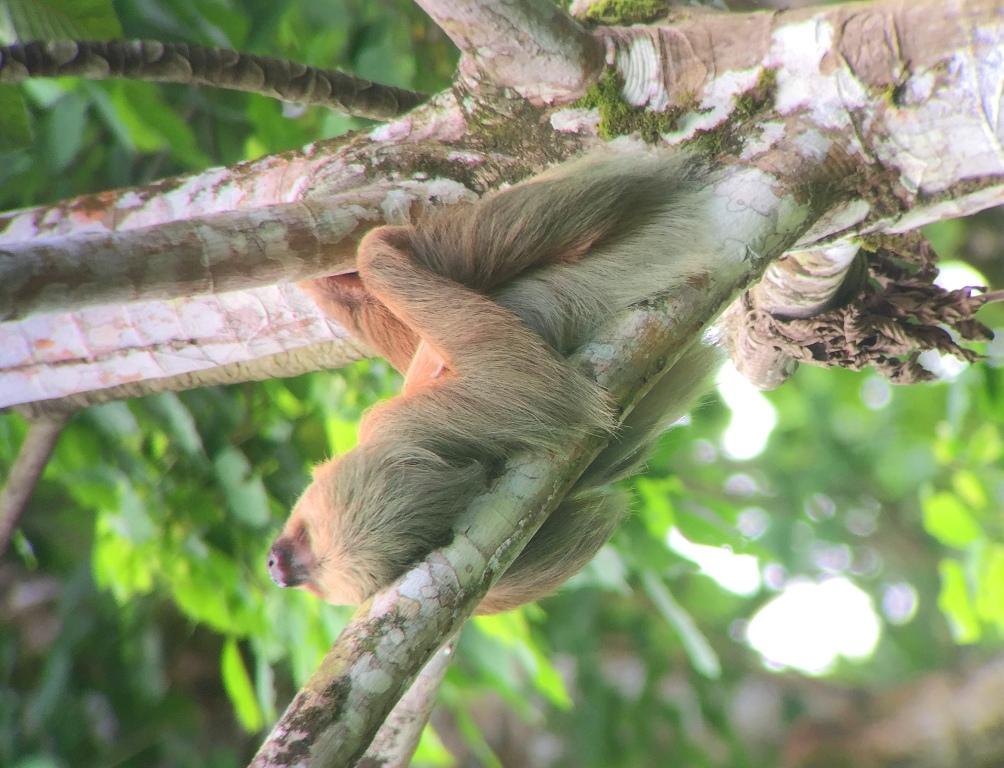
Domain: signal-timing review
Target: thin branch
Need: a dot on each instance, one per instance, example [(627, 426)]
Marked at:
[(295, 362), (398, 737), (215, 67), (215, 253), (27, 469), (531, 46)]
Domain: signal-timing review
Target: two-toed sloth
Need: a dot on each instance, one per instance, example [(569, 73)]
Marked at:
[(480, 306)]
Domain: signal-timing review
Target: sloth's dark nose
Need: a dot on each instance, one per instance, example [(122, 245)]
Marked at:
[(280, 563)]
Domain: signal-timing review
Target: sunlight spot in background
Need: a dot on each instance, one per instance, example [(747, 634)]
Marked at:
[(899, 602), (753, 417), (736, 573), (809, 626), (876, 393), (952, 275), (945, 367)]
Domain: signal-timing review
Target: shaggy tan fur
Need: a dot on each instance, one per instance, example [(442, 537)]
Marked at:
[(481, 305)]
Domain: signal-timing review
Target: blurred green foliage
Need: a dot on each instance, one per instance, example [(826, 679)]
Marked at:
[(139, 626)]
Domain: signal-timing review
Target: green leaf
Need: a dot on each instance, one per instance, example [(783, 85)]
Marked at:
[(949, 521), (955, 603), (152, 125), (15, 130), (990, 586), (704, 526), (657, 509), (699, 650), (208, 589), (133, 521), (342, 434), (985, 447), (167, 406), (115, 420), (512, 630), (117, 564), (968, 486), (264, 682), (243, 488), (64, 131), (37, 761), (62, 19), (474, 738), (238, 686)]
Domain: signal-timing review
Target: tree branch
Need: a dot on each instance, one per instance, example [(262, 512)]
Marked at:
[(191, 64), (27, 469), (531, 46), (400, 733), (211, 254), (310, 357)]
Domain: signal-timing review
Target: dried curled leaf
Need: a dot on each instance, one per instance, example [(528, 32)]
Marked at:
[(896, 313)]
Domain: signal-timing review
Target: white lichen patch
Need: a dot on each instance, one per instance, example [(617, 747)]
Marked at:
[(439, 189), (414, 585), (578, 121), (768, 134), (954, 133), (796, 54), (374, 679), (718, 103), (395, 131), (813, 144), (396, 207), (752, 219)]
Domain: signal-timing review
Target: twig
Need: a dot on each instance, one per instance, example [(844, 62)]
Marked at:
[(31, 460), (398, 737)]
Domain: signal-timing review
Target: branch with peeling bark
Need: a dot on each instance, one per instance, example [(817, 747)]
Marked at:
[(848, 309)]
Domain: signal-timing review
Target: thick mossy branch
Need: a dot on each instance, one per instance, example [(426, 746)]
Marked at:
[(618, 118), (627, 11), (727, 138)]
